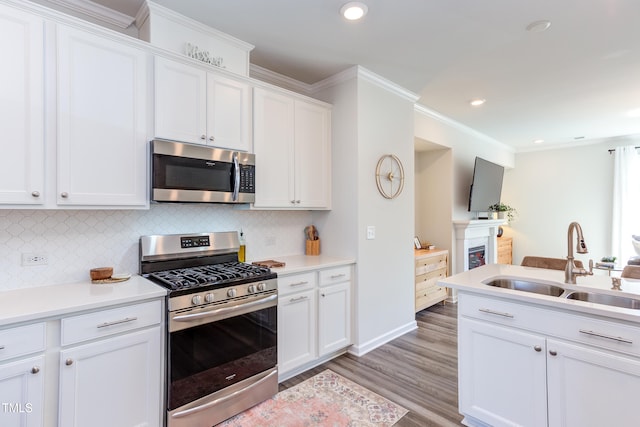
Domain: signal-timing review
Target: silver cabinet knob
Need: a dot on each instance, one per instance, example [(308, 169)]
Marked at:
[(64, 194), (537, 348), (203, 137), (68, 362), (211, 138), (35, 369), (553, 352), (35, 193)]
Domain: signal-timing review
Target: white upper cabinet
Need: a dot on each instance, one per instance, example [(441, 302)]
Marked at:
[(21, 107), (102, 121), (292, 143), (193, 105)]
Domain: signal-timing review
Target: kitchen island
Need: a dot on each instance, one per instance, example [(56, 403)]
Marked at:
[(536, 359)]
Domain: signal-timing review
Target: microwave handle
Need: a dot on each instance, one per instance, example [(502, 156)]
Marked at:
[(236, 177)]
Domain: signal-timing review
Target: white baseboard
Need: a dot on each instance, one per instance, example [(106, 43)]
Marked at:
[(362, 349)]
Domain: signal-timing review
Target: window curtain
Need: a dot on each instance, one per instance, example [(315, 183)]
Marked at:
[(626, 202)]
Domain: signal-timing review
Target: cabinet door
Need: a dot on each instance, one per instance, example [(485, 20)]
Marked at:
[(180, 102), (228, 113), (21, 108), (22, 393), (591, 388), (113, 382), (334, 318), (102, 109), (296, 330), (312, 155), (273, 146), (502, 375)]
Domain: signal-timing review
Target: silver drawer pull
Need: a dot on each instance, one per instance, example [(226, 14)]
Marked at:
[(35, 369), (298, 299), (497, 313), (609, 337), (304, 282), (337, 276), (1, 347), (117, 322)]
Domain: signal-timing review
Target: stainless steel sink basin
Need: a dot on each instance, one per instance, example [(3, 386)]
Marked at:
[(527, 286), (606, 299)]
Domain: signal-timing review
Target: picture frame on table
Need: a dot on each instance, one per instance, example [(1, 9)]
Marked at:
[(416, 243)]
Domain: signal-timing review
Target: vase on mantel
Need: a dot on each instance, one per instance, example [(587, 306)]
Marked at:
[(502, 215)]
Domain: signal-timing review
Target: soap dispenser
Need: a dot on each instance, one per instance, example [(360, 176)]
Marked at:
[(243, 246)]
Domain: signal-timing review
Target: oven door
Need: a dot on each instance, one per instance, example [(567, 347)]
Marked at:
[(193, 173), (220, 346)]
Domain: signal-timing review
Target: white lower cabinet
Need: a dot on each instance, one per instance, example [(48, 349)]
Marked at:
[(314, 318), (522, 365), (112, 382), (22, 368), (22, 392), (296, 329)]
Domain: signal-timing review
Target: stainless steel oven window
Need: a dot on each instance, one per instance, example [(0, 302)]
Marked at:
[(220, 346)]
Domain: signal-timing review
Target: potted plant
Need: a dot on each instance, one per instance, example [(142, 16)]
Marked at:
[(503, 211)]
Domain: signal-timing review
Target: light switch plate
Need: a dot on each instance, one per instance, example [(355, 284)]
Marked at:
[(371, 232)]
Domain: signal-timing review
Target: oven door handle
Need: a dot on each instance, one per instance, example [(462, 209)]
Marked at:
[(223, 399), (224, 310)]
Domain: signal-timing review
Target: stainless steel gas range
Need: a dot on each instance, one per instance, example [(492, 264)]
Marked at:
[(221, 326)]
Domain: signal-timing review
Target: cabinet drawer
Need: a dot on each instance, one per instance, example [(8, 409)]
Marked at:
[(425, 265), (109, 322), (296, 283), (335, 275), (22, 340), (430, 278), (426, 299)]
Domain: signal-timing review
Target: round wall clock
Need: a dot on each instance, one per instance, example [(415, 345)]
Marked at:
[(389, 176)]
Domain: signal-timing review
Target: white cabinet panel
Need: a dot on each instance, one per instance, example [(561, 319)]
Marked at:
[(22, 393), (101, 116), (292, 142), (112, 382), (334, 318), (21, 107), (502, 375), (591, 388), (296, 329), (192, 105)]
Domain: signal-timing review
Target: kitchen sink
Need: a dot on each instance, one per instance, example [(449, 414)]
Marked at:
[(606, 299), (527, 286)]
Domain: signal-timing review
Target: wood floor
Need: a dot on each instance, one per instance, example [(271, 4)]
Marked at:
[(418, 371)]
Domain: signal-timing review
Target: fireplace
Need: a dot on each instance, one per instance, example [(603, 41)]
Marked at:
[(476, 243)]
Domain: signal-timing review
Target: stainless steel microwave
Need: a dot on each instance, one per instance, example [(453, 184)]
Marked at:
[(194, 173)]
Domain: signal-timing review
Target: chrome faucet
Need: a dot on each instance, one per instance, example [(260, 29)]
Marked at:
[(571, 271)]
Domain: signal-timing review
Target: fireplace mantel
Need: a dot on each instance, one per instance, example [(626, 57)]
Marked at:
[(476, 232)]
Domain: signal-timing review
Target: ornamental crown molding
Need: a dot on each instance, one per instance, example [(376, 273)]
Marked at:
[(96, 11)]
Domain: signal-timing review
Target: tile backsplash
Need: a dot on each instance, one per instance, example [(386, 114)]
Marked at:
[(75, 241)]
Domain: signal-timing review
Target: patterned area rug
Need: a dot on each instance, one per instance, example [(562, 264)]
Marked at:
[(326, 399)]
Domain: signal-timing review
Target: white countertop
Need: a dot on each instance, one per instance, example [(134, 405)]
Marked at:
[(301, 263), (472, 281), (28, 304)]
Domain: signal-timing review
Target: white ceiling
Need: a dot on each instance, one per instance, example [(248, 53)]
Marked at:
[(573, 83)]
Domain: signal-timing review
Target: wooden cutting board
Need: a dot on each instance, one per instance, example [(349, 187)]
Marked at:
[(269, 263)]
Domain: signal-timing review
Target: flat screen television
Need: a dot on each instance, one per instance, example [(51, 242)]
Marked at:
[(486, 186)]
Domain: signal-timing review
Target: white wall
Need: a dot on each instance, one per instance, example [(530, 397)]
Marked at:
[(370, 121), (465, 144), (434, 196), (552, 188), (76, 241)]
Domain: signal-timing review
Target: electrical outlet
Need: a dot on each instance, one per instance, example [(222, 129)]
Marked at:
[(32, 259)]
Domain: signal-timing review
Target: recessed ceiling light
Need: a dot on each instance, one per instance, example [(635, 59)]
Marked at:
[(538, 141), (477, 102), (354, 10), (634, 113), (539, 26)]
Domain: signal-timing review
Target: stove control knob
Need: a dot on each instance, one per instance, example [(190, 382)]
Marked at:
[(196, 300), (209, 298), (231, 293), (262, 286), (251, 289)]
